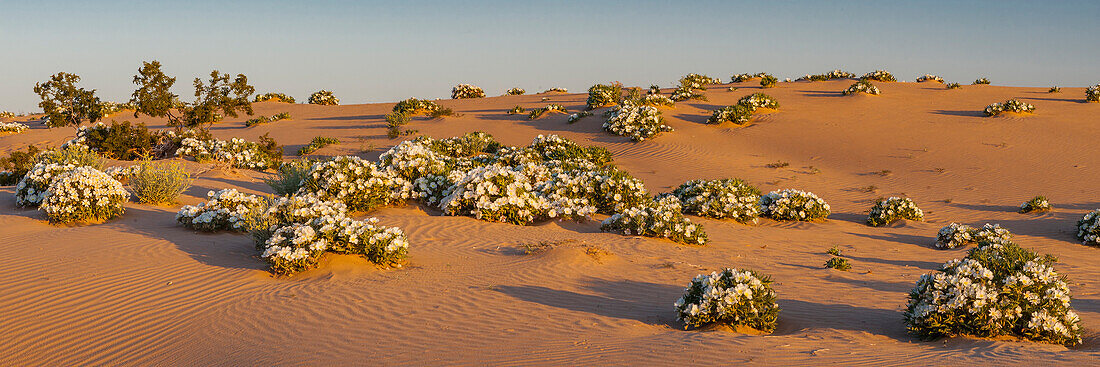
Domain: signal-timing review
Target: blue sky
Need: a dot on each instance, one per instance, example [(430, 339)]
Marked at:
[(367, 51)]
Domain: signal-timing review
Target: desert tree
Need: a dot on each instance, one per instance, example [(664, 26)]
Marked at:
[(66, 105), (222, 95)]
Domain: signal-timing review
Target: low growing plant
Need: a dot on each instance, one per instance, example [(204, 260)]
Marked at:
[(768, 81), (275, 97), (463, 91), (636, 122), (981, 81), (1037, 204), (515, 92), (1012, 105), (661, 218), (539, 112), (83, 194), (862, 86), (838, 263), (158, 182), (879, 75), (323, 98), (727, 198), (1088, 228), (790, 204), (732, 297), (889, 210)]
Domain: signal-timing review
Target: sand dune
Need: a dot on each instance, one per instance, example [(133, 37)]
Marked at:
[(141, 290)]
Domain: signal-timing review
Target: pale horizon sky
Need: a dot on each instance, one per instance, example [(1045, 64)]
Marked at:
[(387, 51)]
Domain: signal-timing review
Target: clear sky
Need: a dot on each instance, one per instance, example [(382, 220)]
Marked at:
[(370, 51)]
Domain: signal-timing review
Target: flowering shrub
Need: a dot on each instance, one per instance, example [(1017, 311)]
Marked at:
[(360, 184), (226, 210), (737, 114), (956, 235), (298, 246), (236, 152), (838, 263), (1088, 228), (733, 297), (758, 100), (323, 98), (659, 218), (698, 81), (498, 194), (122, 141), (1054, 89), (682, 93), (539, 112), (517, 110), (746, 77), (603, 95), (316, 144), (862, 86), (879, 75), (463, 91), (655, 100), (998, 289), (515, 92), (636, 122), (890, 210), (264, 119), (1036, 204), (12, 127), (981, 81), (728, 198), (577, 116), (277, 97), (768, 81), (1012, 105), (31, 189), (81, 194), (556, 90), (832, 75), (791, 204), (1092, 94), (7, 114), (413, 107), (953, 86), (929, 78)]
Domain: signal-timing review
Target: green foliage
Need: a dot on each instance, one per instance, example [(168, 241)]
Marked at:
[(768, 81), (832, 75), (158, 182), (264, 119), (215, 99), (517, 110), (316, 144), (323, 98), (515, 92), (16, 165), (758, 100), (1037, 204), (835, 251), (603, 95), (77, 155), (394, 122), (120, 140), (289, 176), (981, 81), (838, 263), (737, 114), (413, 107), (730, 296), (65, 104), (277, 97), (539, 112), (879, 75), (953, 86), (1054, 89)]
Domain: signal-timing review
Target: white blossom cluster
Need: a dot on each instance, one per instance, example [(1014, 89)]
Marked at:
[(727, 198), (237, 152), (636, 122), (929, 78), (463, 91), (832, 75), (887, 211), (661, 218), (361, 184), (323, 98), (683, 94), (1036, 204), (515, 92), (655, 100), (758, 100), (791, 204), (277, 97), (1012, 105), (499, 194), (298, 246), (226, 210), (539, 112), (7, 114), (12, 127), (122, 173), (737, 114), (731, 296), (1092, 94), (998, 289), (578, 116), (956, 235), (698, 81), (862, 86), (84, 193), (557, 89), (879, 75), (1088, 228), (31, 189), (746, 77)]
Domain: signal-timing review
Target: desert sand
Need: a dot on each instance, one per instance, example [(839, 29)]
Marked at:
[(143, 290)]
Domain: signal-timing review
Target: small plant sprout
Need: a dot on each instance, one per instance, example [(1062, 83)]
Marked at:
[(835, 251), (838, 263), (517, 110), (1038, 204)]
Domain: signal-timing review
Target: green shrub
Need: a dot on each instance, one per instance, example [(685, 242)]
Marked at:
[(1092, 94), (768, 81), (603, 95), (77, 155), (1012, 105), (121, 141), (887, 211), (879, 75), (539, 112), (264, 119), (276, 97), (862, 86), (159, 182), (323, 98), (838, 263), (737, 114), (394, 122), (728, 198), (1035, 205), (66, 105), (316, 144), (953, 86), (733, 297), (746, 77), (289, 176), (515, 92), (981, 81), (758, 100), (464, 91), (16, 165), (832, 75), (517, 110), (83, 194), (1054, 89)]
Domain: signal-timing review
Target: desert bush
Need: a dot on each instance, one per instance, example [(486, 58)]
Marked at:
[(323, 98), (316, 144), (16, 165), (732, 297), (517, 110), (879, 75), (957, 235), (861, 86), (539, 112), (790, 204), (463, 91), (655, 100), (577, 116), (497, 194), (889, 210), (413, 107), (12, 127), (7, 114), (83, 194), (603, 95), (1092, 94), (758, 100), (1035, 205), (296, 247), (1012, 105), (215, 99), (77, 155), (981, 81), (636, 122), (276, 97), (32, 187), (727, 198), (66, 105), (556, 90), (737, 114), (1088, 228), (953, 86), (998, 289), (1054, 89), (361, 185), (746, 77), (236, 151), (122, 141), (122, 173), (832, 75), (289, 176), (768, 81), (660, 218), (929, 78), (264, 119), (838, 263), (682, 93), (698, 81), (226, 210), (158, 182), (515, 92)]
